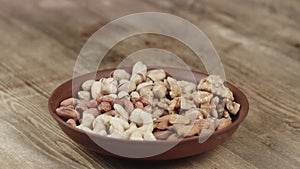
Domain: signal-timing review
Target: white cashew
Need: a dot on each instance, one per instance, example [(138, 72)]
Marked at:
[(85, 95), (96, 90), (87, 120), (87, 85), (142, 118)]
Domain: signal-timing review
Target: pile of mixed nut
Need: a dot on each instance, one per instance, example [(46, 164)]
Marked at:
[(150, 105)]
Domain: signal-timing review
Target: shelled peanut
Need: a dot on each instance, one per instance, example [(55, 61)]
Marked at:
[(149, 105)]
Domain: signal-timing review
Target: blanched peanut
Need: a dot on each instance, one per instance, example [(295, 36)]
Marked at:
[(157, 74), (121, 74), (84, 95)]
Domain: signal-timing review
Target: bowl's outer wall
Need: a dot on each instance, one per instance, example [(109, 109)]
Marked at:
[(185, 148)]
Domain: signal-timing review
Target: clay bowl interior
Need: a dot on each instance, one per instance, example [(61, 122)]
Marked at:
[(132, 149)]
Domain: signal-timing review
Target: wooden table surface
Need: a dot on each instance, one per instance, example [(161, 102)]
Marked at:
[(258, 41)]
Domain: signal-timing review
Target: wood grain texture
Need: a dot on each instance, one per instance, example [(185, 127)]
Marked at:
[(258, 41)]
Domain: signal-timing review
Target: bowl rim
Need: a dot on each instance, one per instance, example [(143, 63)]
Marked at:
[(243, 112)]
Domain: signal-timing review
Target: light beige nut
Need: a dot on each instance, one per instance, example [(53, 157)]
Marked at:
[(115, 126), (131, 129), (123, 94), (104, 107), (123, 85), (138, 68), (136, 135), (110, 80), (175, 90), (92, 111), (84, 128), (99, 126), (117, 135), (126, 86), (159, 91), (120, 74), (224, 122), (142, 118), (96, 90), (67, 113), (134, 96), (188, 96), (109, 89), (84, 102), (186, 87), (121, 111), (148, 84), (68, 102), (87, 120), (128, 106), (71, 122), (146, 91), (137, 79), (148, 136), (84, 95), (232, 107), (157, 74), (186, 104), (201, 97), (87, 85)]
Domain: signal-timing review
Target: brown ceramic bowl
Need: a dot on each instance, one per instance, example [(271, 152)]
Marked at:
[(186, 147)]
